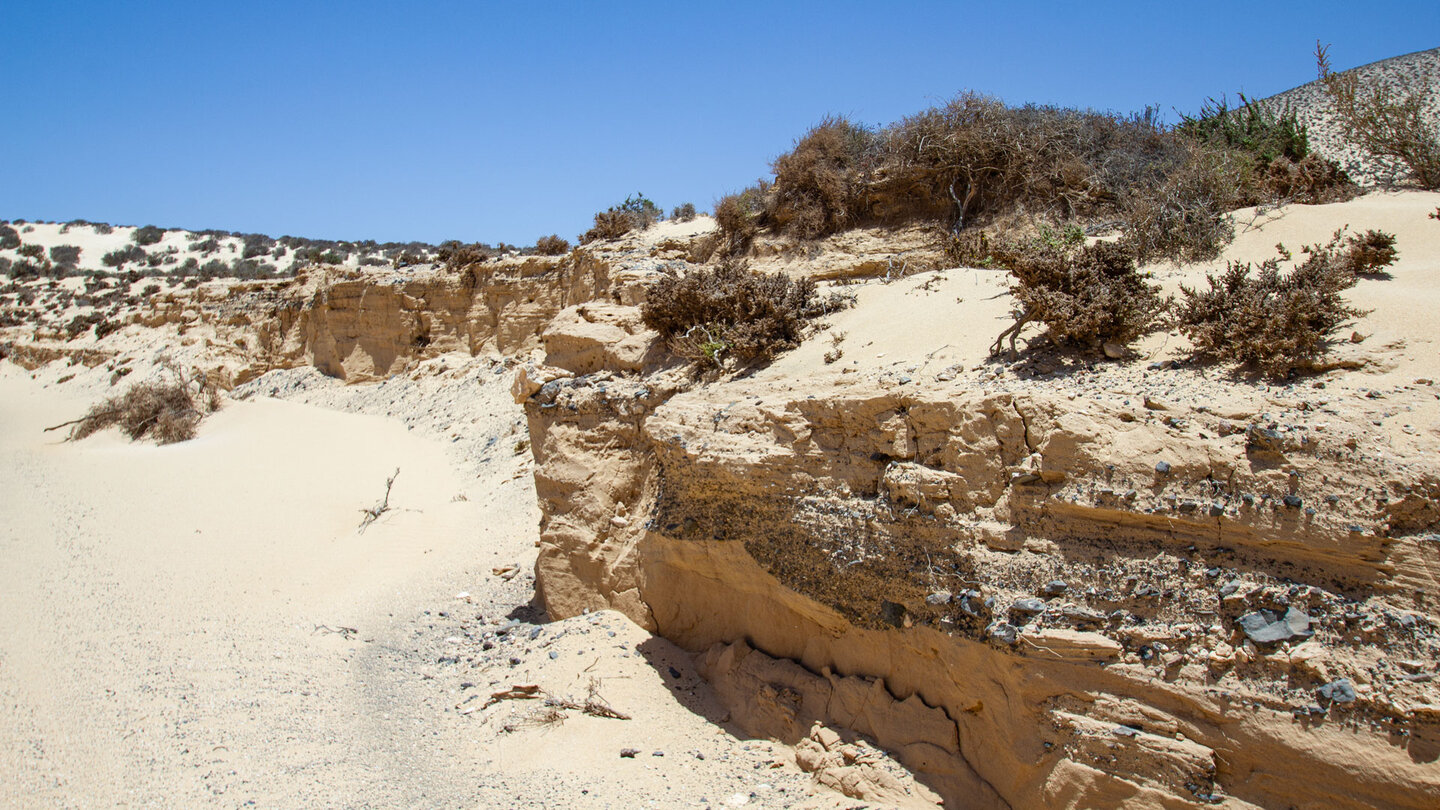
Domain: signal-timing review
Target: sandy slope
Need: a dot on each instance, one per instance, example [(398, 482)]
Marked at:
[(165, 617)]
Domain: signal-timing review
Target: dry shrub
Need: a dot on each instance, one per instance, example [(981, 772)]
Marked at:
[(1085, 295), (1396, 129), (456, 255), (167, 410), (552, 245), (816, 182), (1185, 217), (975, 161), (1312, 180), (1277, 322), (684, 212), (609, 224), (739, 215), (710, 316), (1368, 252)]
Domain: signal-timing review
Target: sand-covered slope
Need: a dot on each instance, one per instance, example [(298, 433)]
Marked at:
[(205, 625)]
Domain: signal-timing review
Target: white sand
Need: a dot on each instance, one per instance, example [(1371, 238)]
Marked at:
[(159, 609)]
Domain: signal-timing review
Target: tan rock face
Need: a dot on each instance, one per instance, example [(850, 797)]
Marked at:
[(368, 324), (857, 558)]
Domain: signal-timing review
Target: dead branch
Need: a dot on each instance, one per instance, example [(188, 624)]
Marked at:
[(373, 513), (1012, 332)]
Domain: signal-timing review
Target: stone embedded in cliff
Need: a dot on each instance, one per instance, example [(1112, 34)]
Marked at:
[(1340, 690), (531, 377), (597, 336), (1003, 633), (973, 604), (1271, 627), (938, 598), (894, 613), (1054, 587)]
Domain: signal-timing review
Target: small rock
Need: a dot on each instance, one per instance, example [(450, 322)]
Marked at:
[(554, 655), (1292, 501), (1003, 633), (1028, 605), (1114, 351), (1270, 627), (1054, 587), (629, 753), (938, 598), (1162, 467)]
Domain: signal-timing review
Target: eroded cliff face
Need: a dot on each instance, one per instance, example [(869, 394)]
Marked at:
[(1035, 599)]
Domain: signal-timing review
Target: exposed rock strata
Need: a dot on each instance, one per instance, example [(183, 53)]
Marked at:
[(858, 557)]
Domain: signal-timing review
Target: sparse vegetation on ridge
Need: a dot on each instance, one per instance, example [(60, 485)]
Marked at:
[(635, 214), (1394, 128), (552, 245)]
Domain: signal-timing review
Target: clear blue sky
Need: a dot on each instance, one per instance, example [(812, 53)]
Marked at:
[(505, 121)]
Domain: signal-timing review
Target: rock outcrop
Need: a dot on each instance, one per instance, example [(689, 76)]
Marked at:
[(1100, 586)]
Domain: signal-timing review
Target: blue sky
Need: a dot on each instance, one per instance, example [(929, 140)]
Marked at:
[(507, 121)]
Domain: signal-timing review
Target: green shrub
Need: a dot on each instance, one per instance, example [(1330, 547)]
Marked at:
[(147, 235), (255, 245), (684, 212), (123, 256), (32, 251), (67, 256), (1086, 296), (9, 237), (1276, 322), (1283, 169), (1395, 128), (711, 316), (1263, 130), (552, 245), (635, 214)]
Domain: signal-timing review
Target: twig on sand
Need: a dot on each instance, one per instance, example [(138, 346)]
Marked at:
[(347, 632), (96, 415), (594, 705), (525, 692), (373, 513)]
